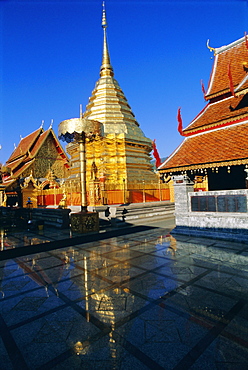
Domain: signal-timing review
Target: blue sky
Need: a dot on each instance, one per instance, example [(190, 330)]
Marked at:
[(50, 57)]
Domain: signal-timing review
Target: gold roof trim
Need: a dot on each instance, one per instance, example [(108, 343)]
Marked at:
[(225, 91), (216, 124), (206, 165), (210, 48)]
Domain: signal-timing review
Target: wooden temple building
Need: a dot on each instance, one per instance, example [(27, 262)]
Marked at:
[(214, 152), (35, 171)]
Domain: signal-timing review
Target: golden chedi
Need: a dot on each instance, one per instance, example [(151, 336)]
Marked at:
[(120, 159)]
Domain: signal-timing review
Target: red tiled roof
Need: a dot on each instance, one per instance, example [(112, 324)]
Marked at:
[(27, 150), (15, 163), (237, 55), (212, 148), (38, 143), (220, 112), (218, 135), (24, 146)]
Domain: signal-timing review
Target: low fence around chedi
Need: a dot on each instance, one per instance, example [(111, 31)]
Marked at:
[(215, 214)]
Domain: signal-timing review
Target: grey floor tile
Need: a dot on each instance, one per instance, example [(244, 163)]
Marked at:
[(136, 301), (222, 354), (48, 337), (165, 336), (152, 286), (80, 285), (104, 354), (225, 283), (5, 362), (29, 305), (120, 272)]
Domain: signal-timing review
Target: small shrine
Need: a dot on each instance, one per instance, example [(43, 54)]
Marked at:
[(36, 170)]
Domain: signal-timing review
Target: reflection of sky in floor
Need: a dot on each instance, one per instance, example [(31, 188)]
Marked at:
[(144, 300)]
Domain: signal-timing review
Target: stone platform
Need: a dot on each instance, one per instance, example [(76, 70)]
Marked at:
[(129, 298)]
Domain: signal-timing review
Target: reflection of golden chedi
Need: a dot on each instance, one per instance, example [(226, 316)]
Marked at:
[(81, 348)]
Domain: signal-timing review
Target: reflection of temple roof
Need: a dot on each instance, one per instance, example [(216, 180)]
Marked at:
[(42, 275), (218, 134)]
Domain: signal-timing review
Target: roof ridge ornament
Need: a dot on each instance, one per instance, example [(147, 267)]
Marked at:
[(210, 48)]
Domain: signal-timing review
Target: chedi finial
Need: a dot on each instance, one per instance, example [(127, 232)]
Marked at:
[(104, 20), (106, 68)]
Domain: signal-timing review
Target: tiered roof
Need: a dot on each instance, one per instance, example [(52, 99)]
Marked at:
[(235, 55), (218, 135), (221, 113), (27, 150)]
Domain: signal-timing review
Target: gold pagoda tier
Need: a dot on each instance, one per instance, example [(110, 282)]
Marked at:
[(121, 158)]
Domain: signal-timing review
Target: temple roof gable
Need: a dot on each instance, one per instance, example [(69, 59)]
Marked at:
[(218, 134), (24, 146), (234, 55), (27, 150)]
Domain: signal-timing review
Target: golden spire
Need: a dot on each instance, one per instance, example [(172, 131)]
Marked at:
[(104, 20), (106, 68)]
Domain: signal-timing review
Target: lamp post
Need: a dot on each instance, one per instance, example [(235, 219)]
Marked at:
[(79, 130), (124, 190), (159, 186), (144, 194)]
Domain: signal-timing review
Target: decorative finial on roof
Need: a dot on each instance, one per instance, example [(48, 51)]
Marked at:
[(14, 146), (104, 20), (42, 123), (210, 48), (51, 124), (106, 68), (20, 137)]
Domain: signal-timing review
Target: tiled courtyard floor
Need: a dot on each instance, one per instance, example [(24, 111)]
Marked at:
[(137, 299)]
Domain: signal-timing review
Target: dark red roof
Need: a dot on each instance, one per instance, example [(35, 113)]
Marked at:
[(221, 112), (24, 155), (218, 135), (235, 54), (225, 146), (24, 146)]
